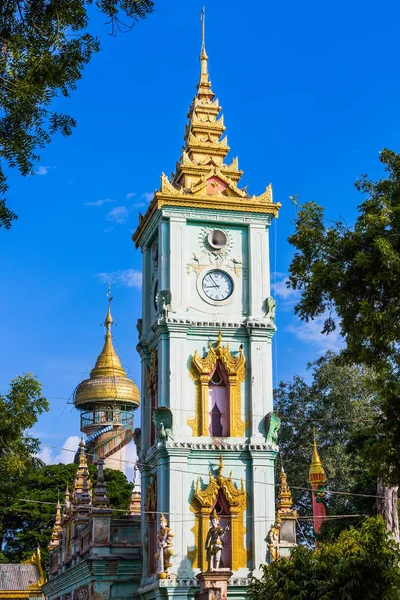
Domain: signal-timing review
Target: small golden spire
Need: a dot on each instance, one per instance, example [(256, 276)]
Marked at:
[(285, 495), (220, 465), (317, 472), (108, 363), (57, 529), (108, 380), (203, 55), (82, 474)]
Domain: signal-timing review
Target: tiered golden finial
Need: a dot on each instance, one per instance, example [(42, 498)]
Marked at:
[(317, 473), (135, 503), (108, 380), (285, 495), (82, 474), (202, 178), (57, 529)]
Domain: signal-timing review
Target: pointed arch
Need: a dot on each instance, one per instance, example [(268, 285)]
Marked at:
[(202, 371), (233, 502)]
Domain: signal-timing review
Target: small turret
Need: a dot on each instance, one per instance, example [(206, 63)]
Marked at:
[(57, 529), (100, 498), (317, 479), (82, 475)]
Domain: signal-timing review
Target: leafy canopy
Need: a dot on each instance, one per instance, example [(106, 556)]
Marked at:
[(19, 411), (354, 273), (45, 46), (339, 402), (361, 563)]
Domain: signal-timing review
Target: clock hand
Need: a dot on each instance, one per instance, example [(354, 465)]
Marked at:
[(207, 287), (216, 285)]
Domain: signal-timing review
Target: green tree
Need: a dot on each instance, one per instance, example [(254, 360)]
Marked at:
[(338, 402), (19, 411), (361, 563), (45, 46), (352, 275), (29, 518)]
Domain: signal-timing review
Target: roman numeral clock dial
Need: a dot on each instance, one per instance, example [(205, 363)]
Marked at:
[(217, 285)]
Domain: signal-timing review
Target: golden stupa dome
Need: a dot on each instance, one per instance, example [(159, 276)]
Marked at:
[(108, 381)]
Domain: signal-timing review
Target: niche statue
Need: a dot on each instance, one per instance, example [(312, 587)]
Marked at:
[(214, 543), (165, 548)]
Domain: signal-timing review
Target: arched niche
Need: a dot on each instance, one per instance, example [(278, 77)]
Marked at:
[(232, 371), (221, 493)]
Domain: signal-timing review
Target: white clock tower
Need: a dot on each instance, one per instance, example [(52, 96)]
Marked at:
[(205, 344)]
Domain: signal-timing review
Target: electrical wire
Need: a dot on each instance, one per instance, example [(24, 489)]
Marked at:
[(238, 479)]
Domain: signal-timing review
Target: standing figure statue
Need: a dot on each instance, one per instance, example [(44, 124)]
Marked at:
[(273, 539), (214, 543), (165, 548)]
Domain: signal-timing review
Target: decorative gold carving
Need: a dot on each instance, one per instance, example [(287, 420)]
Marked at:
[(202, 503), (201, 370)]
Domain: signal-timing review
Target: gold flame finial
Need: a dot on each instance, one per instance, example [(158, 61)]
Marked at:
[(220, 465), (317, 472)]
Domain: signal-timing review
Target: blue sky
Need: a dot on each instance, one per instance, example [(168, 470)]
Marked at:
[(310, 95)]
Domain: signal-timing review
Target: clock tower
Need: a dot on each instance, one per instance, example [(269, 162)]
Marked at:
[(206, 443)]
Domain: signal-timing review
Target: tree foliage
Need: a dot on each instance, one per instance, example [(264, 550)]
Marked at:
[(338, 403), (361, 563), (29, 518), (45, 46), (19, 411), (352, 275)]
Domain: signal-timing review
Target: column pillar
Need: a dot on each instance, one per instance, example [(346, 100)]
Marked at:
[(263, 499), (178, 276), (259, 278)]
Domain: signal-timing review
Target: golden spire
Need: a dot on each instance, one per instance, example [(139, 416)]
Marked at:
[(204, 81), (317, 472), (285, 495), (82, 475), (108, 380), (57, 529), (202, 178), (108, 363)]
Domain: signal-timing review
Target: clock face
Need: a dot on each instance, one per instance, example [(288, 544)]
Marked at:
[(217, 285)]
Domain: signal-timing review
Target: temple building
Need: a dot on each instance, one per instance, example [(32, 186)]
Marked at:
[(93, 554)]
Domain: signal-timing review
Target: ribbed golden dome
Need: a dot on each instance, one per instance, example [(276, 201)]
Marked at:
[(108, 381)]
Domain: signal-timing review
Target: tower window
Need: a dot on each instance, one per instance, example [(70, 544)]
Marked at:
[(218, 400)]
